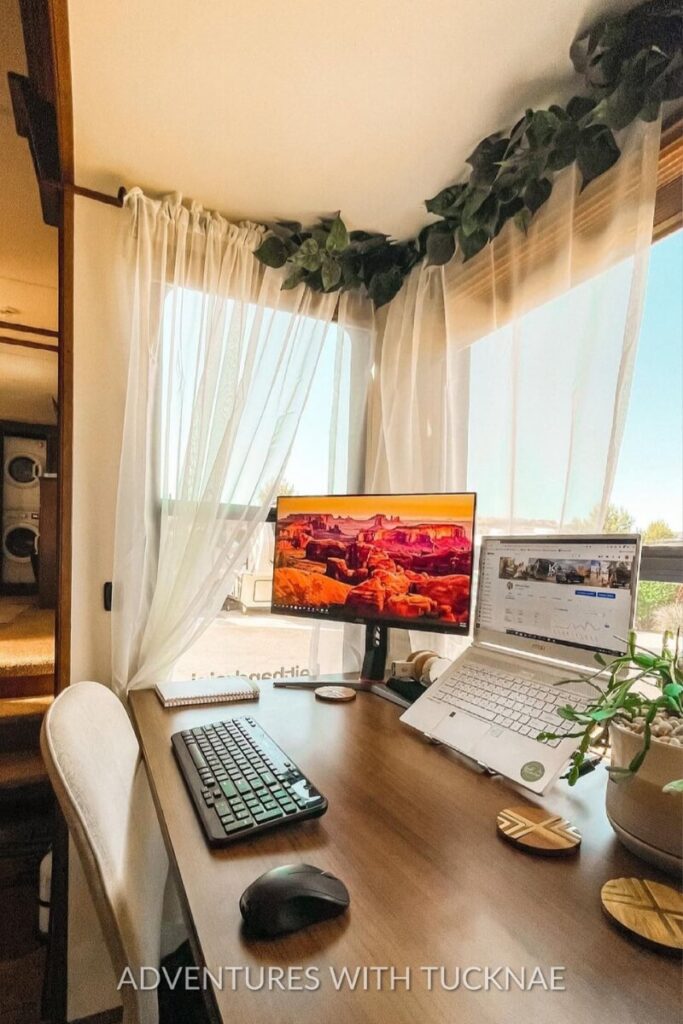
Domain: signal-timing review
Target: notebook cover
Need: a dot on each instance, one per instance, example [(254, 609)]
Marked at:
[(207, 690)]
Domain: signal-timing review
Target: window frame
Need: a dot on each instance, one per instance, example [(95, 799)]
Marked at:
[(663, 563)]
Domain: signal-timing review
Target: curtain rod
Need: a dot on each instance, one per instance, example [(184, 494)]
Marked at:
[(88, 193)]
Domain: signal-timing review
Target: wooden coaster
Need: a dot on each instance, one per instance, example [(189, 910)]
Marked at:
[(538, 831), (335, 693), (649, 910)]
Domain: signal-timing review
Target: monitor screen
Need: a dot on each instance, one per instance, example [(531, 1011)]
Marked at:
[(398, 560), (576, 591)]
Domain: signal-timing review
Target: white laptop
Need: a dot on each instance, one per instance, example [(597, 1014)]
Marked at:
[(545, 607)]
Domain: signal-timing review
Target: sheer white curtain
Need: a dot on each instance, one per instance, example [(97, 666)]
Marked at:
[(510, 375), (221, 363)]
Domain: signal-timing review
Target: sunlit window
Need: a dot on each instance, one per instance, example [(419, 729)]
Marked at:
[(326, 456)]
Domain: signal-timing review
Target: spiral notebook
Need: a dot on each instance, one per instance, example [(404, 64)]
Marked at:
[(207, 690)]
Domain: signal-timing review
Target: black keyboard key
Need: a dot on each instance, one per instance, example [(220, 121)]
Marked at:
[(222, 807), (242, 786), (228, 789), (237, 826), (196, 755), (267, 815)]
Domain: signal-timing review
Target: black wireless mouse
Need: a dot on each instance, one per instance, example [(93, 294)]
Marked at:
[(291, 897)]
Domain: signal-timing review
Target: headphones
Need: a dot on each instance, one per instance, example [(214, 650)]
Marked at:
[(420, 663)]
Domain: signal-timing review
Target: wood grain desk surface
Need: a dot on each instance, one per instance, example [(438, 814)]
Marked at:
[(411, 830)]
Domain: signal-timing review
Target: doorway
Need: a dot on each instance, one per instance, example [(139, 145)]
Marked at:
[(29, 481)]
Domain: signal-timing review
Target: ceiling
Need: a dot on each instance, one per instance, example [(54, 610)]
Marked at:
[(294, 108), (28, 248)]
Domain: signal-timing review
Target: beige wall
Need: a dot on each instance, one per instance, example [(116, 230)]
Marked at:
[(28, 383), (99, 390), (28, 247)]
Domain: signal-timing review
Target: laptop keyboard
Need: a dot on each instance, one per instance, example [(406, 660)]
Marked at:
[(502, 698)]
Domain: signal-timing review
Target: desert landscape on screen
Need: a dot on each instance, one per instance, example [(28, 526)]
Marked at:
[(407, 558)]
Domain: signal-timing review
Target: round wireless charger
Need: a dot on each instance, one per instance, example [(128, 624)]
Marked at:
[(335, 693), (538, 831), (650, 911)]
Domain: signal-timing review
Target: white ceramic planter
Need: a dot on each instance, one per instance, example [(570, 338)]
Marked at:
[(646, 820)]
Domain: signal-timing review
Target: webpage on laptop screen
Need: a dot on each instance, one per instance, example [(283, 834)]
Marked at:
[(576, 593)]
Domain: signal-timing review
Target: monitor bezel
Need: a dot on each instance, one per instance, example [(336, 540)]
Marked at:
[(431, 627), (539, 648)]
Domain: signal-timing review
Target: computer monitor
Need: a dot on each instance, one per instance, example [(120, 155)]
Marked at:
[(385, 560), (567, 598)]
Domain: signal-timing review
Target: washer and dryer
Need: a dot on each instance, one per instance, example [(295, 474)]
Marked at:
[(23, 463), (20, 529), (24, 460)]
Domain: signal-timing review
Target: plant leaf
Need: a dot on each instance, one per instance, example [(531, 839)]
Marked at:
[(579, 106), (484, 160), (440, 247), (446, 201), (673, 787), (295, 278), (331, 273), (385, 285), (471, 244), (596, 153), (308, 255), (272, 252), (293, 226), (338, 238), (536, 193)]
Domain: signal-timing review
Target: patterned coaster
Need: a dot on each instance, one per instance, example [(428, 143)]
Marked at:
[(538, 831), (651, 911), (335, 693)]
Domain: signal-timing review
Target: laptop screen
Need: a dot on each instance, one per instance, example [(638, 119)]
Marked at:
[(577, 592)]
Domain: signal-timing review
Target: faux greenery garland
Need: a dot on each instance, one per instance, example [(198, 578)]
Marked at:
[(632, 63)]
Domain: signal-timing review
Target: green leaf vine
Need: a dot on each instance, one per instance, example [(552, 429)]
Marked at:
[(631, 63)]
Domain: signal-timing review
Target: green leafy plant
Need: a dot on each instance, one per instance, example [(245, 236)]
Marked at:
[(329, 258), (618, 699), (631, 64)]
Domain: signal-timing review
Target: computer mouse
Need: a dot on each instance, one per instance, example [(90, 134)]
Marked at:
[(291, 897)]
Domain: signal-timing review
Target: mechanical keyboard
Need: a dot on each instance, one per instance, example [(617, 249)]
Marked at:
[(241, 782), (502, 698)]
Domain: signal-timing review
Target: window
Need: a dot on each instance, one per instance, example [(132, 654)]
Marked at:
[(327, 456), (648, 489), (647, 496)]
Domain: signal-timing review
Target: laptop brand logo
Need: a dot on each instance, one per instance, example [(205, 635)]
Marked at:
[(532, 771)]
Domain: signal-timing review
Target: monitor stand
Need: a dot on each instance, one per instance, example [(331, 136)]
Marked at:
[(371, 675)]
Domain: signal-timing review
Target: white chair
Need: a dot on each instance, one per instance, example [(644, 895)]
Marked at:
[(93, 760)]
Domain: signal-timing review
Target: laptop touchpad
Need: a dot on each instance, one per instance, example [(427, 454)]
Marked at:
[(460, 731)]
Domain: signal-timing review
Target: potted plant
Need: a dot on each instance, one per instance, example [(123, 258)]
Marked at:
[(638, 707)]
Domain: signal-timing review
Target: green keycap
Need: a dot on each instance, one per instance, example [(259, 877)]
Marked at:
[(261, 816)]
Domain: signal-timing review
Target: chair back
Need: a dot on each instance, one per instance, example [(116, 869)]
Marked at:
[(93, 760)]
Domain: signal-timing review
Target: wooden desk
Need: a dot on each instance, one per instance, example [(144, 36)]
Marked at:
[(412, 832)]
